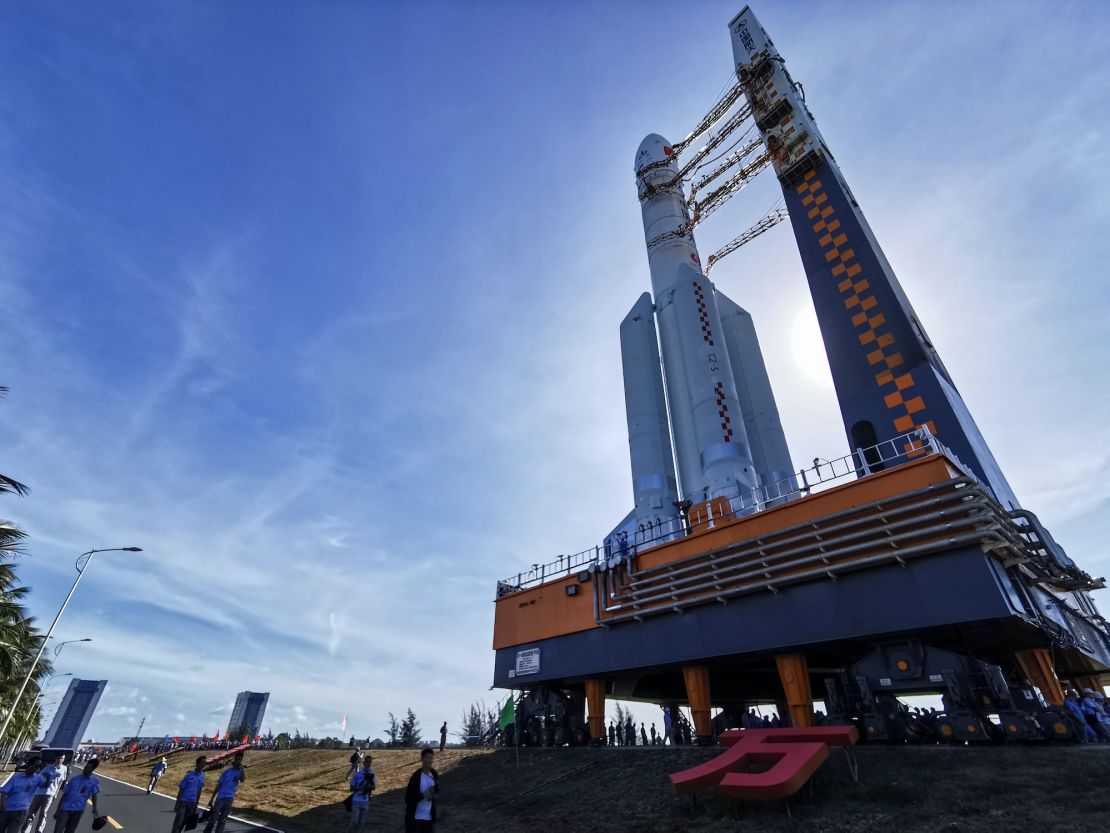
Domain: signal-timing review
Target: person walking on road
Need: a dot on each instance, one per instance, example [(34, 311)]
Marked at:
[(17, 794), (420, 795), (188, 794), (77, 792), (226, 787), (157, 772), (53, 775), (362, 784), (443, 736), (356, 760)]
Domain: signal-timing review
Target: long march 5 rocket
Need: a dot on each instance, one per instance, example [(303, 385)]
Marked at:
[(696, 389)]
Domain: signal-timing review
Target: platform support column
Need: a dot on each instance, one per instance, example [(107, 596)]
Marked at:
[(595, 700), (1036, 664), (794, 674), (697, 693), (1092, 682)]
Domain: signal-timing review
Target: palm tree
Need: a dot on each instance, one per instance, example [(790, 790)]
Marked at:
[(19, 640)]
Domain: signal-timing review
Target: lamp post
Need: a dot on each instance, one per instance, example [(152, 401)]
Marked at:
[(82, 564), (60, 645)]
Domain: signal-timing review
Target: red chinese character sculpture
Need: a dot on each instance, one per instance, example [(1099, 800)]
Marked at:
[(792, 754)]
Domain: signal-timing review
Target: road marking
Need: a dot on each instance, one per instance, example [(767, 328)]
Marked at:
[(115, 823), (172, 798)]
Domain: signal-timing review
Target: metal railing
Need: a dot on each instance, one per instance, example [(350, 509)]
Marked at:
[(904, 448)]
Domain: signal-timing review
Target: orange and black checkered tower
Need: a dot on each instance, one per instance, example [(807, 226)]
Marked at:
[(888, 377)]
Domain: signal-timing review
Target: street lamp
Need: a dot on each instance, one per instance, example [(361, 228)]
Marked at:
[(82, 564), (60, 645)]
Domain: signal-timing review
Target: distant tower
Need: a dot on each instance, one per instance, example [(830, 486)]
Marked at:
[(74, 714), (249, 710)]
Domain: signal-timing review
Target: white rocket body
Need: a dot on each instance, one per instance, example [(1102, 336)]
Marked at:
[(710, 441), (649, 436)]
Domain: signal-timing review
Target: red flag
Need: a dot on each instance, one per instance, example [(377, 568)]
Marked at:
[(217, 737), (246, 739), (193, 739)]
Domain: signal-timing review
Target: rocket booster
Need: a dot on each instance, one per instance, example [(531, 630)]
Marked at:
[(649, 437), (711, 445)]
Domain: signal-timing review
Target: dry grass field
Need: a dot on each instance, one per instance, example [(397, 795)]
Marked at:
[(902, 790)]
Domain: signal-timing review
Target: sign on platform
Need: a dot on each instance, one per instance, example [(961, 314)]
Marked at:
[(528, 661)]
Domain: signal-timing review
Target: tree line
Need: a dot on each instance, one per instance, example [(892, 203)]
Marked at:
[(20, 640)]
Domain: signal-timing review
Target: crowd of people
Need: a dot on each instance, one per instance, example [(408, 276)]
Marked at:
[(1090, 714)]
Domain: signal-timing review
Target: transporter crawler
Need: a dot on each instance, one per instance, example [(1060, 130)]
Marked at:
[(906, 566)]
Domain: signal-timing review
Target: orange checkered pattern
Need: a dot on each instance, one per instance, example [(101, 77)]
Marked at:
[(905, 403)]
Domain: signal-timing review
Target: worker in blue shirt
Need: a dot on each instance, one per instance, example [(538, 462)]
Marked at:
[(156, 772), (16, 796), (1079, 719), (224, 795), (1096, 717), (188, 794), (77, 792), (363, 783)]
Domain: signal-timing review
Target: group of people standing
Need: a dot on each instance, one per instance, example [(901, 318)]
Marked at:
[(1091, 715), (26, 798), (420, 792), (625, 734)]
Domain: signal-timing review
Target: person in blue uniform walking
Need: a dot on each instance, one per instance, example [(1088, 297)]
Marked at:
[(224, 795), (156, 772), (188, 794), (16, 796), (78, 791)]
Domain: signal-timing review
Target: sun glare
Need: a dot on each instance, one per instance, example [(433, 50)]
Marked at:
[(807, 347)]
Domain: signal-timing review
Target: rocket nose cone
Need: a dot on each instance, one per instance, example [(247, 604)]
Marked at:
[(654, 148)]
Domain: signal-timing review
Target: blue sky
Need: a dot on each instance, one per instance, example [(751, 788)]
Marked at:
[(318, 303)]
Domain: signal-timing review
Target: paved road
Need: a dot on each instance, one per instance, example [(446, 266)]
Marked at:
[(130, 808)]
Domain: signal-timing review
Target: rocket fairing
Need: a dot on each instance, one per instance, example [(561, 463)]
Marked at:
[(649, 438), (889, 378), (757, 401), (711, 445)]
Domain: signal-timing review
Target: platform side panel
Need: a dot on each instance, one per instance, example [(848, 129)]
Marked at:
[(757, 400), (539, 612), (547, 610), (654, 485), (948, 589)]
